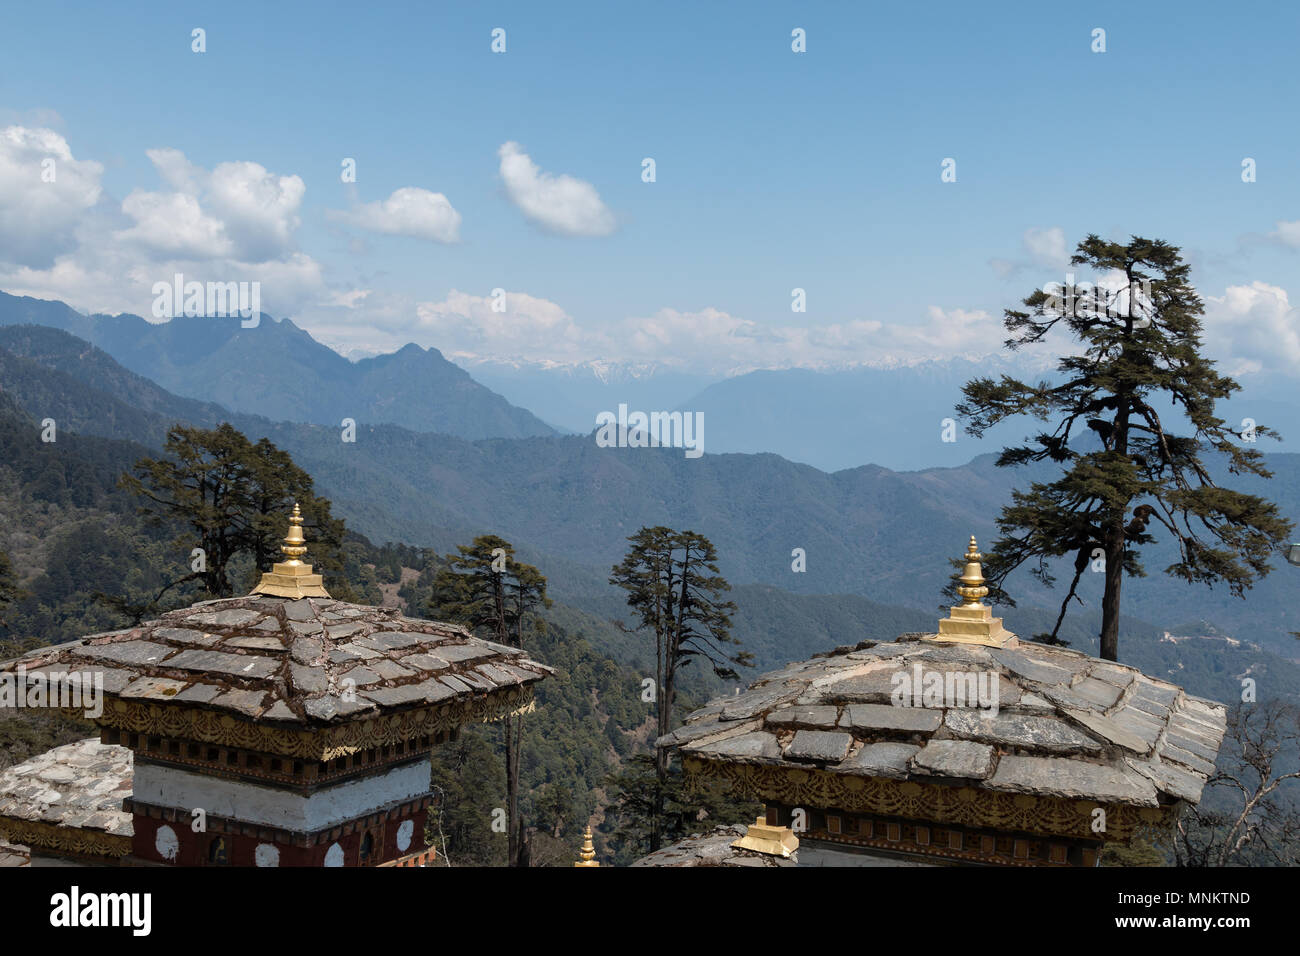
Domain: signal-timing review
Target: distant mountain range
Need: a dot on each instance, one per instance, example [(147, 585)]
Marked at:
[(278, 370), (869, 531)]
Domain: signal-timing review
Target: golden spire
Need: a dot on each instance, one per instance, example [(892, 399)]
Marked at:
[(972, 576), (972, 621), (588, 853), (292, 578)]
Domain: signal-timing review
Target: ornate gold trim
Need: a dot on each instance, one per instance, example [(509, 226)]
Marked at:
[(916, 800), (62, 839), (324, 743)]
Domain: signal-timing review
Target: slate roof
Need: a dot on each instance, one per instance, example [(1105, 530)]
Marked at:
[(714, 849), (1067, 725), (79, 786), (283, 661)]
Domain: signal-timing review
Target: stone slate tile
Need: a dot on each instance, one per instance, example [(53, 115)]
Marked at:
[(1022, 665), (152, 688), (757, 745), (1192, 745), (267, 624), (1121, 677), (426, 691), (498, 675), (699, 730), (1045, 734), (115, 679), (885, 650), (357, 651), (280, 711), (256, 643), (218, 662), (338, 632), (300, 610), (390, 670), (306, 649), (1163, 694), (874, 687), (306, 628), (1110, 730), (1153, 709), (1176, 781), (1098, 691), (247, 702), (198, 694), (388, 640), (1210, 712), (1069, 699), (1074, 779), (455, 653), (754, 703), (308, 680), (457, 685), (231, 617), (425, 662), (954, 758), (863, 718), (879, 760), (824, 716), (185, 635), (127, 652), (1034, 703), (474, 680), (1140, 723), (969, 654), (330, 706), (361, 676), (819, 745)]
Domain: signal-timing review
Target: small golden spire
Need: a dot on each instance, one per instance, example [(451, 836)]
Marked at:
[(972, 621), (588, 853), (292, 578), (972, 577), (295, 545)]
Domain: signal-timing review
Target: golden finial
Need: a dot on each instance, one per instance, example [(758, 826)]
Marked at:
[(295, 545), (972, 621), (588, 853), (972, 587), (292, 578)]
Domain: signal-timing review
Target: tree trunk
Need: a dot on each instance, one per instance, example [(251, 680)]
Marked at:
[(1114, 582)]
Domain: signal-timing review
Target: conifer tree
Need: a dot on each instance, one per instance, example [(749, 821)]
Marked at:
[(487, 590), (1139, 329), (675, 589)]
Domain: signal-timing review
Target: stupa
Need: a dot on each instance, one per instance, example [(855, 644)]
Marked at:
[(282, 728), (962, 746)]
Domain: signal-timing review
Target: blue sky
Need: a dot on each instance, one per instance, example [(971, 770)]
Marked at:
[(775, 169)]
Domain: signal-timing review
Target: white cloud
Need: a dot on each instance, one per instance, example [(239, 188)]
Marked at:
[(38, 219), (409, 211), (466, 327), (1287, 233), (239, 210), (1041, 249), (1253, 328), (560, 204), (235, 223)]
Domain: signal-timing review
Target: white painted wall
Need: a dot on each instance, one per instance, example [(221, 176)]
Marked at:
[(253, 803)]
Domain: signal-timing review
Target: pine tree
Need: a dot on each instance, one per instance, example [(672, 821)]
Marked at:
[(1140, 332), (674, 588), (487, 590)]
